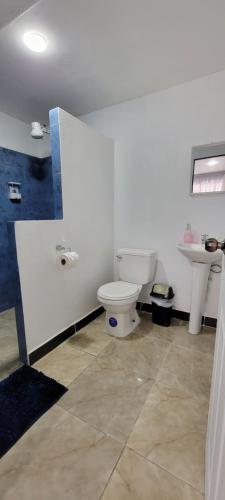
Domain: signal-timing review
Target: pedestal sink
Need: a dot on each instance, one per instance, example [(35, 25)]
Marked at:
[(201, 263)]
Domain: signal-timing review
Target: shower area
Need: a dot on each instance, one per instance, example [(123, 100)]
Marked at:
[(26, 193)]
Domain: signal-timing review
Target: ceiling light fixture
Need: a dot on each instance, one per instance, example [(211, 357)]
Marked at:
[(35, 41), (212, 162)]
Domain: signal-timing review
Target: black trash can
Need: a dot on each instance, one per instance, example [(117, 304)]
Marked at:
[(161, 311)]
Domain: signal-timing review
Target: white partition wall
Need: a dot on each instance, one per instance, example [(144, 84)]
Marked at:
[(53, 298)]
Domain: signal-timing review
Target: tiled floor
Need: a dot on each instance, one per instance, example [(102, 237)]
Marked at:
[(9, 353), (132, 425)]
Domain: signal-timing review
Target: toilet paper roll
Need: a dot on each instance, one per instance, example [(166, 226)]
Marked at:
[(67, 260)]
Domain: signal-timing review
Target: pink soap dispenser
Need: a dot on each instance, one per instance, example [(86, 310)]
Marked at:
[(188, 236)]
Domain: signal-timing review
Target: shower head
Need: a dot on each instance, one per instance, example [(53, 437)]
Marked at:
[(38, 130)]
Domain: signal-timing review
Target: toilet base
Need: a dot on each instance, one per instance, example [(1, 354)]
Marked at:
[(121, 324)]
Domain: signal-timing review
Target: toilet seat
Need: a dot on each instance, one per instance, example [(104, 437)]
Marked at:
[(119, 291)]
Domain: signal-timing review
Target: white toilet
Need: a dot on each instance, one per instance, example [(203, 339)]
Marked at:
[(135, 268)]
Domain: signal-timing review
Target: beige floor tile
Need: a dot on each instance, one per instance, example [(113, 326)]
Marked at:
[(107, 399), (187, 369), (64, 363), (203, 342), (150, 330), (6, 368), (171, 432), (8, 318), (92, 338), (8, 347), (135, 356), (9, 350), (60, 458), (137, 479)]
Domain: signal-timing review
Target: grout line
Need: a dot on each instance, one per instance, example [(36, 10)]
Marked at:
[(82, 350), (106, 434), (85, 422), (112, 472), (88, 352), (123, 444), (166, 470), (81, 373), (163, 361), (154, 379), (185, 348)]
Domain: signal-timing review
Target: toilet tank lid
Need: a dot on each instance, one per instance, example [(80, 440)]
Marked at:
[(136, 251)]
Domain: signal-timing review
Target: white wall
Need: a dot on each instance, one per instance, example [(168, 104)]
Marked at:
[(15, 135), (154, 136), (54, 299)]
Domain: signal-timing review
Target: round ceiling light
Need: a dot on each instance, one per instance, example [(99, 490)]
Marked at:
[(212, 162), (35, 41)]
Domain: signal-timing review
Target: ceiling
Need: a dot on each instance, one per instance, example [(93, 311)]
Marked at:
[(102, 52), (10, 9)]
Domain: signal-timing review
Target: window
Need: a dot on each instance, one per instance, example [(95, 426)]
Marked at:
[(208, 169)]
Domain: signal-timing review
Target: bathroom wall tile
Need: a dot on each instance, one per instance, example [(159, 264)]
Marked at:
[(92, 338), (35, 176), (54, 116), (58, 204), (55, 140), (55, 148), (136, 478), (60, 457), (187, 369), (171, 432), (17, 294), (107, 398), (64, 363)]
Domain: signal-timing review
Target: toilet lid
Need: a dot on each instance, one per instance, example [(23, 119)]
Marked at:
[(118, 290)]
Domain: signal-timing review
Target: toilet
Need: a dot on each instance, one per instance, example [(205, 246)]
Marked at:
[(135, 268)]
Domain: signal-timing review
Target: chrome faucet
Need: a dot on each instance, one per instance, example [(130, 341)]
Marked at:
[(211, 245), (204, 238)]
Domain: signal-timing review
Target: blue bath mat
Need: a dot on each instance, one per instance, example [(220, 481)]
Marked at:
[(24, 396)]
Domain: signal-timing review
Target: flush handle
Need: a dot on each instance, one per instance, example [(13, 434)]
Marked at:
[(211, 245)]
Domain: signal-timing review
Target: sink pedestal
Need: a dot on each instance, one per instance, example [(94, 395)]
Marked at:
[(201, 263), (200, 275)]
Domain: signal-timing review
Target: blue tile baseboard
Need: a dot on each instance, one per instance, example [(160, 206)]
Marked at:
[(61, 337), (185, 316), (210, 322)]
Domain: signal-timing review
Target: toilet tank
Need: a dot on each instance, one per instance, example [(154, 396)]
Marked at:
[(136, 265)]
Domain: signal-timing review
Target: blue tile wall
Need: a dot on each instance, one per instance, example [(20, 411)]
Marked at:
[(56, 163), (36, 178), (17, 302)]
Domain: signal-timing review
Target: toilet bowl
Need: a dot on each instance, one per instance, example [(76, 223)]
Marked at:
[(119, 300), (135, 268)]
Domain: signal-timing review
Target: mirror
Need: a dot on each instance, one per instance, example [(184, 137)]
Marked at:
[(26, 193), (9, 350), (208, 169)]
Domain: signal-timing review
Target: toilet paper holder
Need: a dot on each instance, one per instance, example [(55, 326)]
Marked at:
[(61, 248)]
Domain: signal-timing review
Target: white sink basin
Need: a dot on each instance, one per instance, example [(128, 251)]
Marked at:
[(197, 253)]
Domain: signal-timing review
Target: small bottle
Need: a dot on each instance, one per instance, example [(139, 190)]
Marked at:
[(188, 236)]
